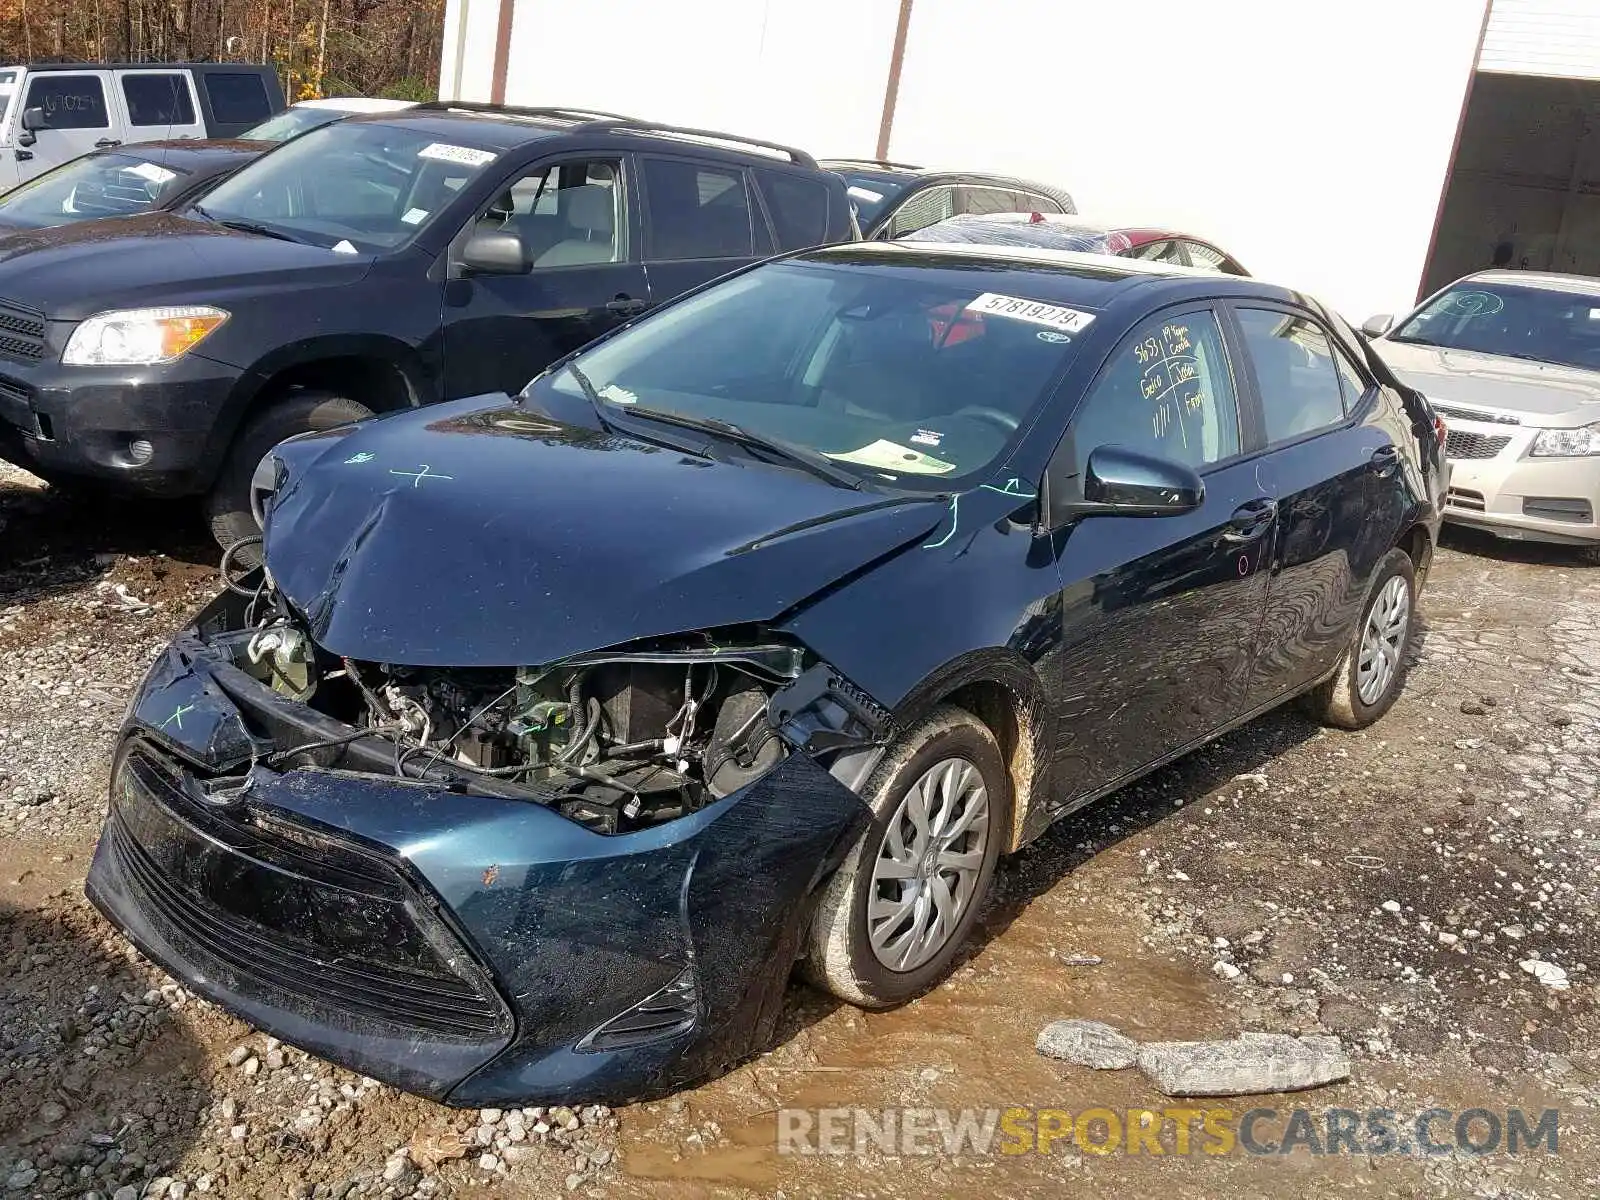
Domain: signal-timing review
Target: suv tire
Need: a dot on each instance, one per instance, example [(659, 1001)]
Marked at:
[(1372, 670), (228, 503), (944, 773)]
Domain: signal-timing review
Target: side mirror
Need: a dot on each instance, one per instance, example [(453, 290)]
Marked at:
[(1118, 482), (1377, 326), (495, 252)]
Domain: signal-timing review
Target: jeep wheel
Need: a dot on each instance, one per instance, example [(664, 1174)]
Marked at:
[(228, 506), (891, 921)]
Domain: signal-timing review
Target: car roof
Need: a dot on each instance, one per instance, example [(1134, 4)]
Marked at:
[(35, 68), (1552, 281)]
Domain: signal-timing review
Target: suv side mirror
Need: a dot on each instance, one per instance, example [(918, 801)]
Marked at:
[(1118, 482), (32, 119), (1377, 326), (495, 252)]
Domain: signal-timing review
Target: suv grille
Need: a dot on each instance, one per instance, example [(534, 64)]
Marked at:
[(1461, 444), (21, 332)]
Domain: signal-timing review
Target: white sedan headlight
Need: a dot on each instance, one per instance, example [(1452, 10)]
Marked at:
[(136, 337), (1567, 443)]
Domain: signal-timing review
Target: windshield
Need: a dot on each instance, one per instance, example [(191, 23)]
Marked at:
[(871, 192), (1542, 324), (8, 87), (911, 375), (353, 186), (96, 185), (290, 122)]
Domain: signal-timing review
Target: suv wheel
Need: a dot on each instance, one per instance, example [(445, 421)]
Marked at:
[(1368, 679), (228, 506), (891, 921)]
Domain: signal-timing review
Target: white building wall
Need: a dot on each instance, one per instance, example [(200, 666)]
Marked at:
[(1544, 37), (466, 63)]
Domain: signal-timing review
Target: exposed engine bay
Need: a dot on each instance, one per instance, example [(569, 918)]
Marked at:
[(616, 740)]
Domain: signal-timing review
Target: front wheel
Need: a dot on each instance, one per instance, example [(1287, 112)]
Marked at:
[(891, 921), (228, 506), (1372, 670)]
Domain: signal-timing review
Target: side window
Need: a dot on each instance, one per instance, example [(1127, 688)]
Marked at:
[(922, 210), (981, 201), (694, 210), (1202, 255), (237, 98), (1168, 390), (1033, 202), (1295, 369), (1351, 380), (157, 99), (567, 214), (799, 207), (1166, 251), (69, 101)]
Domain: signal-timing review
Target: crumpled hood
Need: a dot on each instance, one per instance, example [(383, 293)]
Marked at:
[(74, 271), (470, 535), (1514, 385)]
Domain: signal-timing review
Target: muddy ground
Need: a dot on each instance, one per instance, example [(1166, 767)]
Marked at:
[(1383, 887)]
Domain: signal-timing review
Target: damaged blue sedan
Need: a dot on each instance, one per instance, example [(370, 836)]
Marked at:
[(559, 729)]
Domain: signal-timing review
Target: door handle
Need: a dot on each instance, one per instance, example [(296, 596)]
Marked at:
[(1384, 460), (103, 143), (24, 155), (627, 305), (1250, 520)]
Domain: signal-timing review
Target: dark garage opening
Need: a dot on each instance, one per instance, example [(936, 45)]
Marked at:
[(1525, 183)]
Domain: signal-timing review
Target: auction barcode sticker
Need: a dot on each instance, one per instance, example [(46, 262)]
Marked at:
[(466, 155), (994, 304)]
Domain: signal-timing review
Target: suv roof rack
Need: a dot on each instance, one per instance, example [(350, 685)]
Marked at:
[(579, 115), (879, 162), (630, 125)]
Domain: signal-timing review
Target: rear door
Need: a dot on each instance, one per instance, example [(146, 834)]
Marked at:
[(1160, 613), (1332, 456), (79, 115), (575, 219), (701, 220), (159, 105)]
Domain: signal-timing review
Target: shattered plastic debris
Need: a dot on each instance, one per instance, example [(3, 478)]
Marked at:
[(117, 595), (1552, 976)]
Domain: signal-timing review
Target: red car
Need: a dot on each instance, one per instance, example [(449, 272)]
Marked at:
[(1077, 233)]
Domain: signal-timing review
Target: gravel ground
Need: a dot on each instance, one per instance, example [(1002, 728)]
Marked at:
[(1424, 890)]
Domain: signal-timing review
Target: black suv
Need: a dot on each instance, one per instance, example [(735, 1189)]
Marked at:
[(375, 264), (894, 200)]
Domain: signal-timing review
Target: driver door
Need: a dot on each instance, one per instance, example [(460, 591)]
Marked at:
[(1160, 613), (78, 117), (577, 223)]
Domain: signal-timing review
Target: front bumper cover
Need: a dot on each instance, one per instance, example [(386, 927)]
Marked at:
[(621, 966)]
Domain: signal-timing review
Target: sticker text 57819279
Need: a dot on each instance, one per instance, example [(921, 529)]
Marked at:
[(994, 304)]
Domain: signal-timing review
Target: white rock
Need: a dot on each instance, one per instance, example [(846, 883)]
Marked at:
[(1224, 970), (1391, 906), (1252, 1064), (1087, 1044)]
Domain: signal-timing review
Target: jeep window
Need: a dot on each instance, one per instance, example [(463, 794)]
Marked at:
[(157, 99), (371, 185), (236, 97), (566, 214), (96, 185), (693, 210), (799, 207), (69, 101), (909, 375)]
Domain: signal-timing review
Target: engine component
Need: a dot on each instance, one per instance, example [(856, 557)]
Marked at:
[(285, 654), (743, 745)]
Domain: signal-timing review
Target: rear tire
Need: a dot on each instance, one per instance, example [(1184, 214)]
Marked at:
[(1372, 670), (228, 503), (891, 921)]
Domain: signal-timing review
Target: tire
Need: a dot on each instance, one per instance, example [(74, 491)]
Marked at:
[(228, 503), (1590, 554), (1390, 617), (839, 955)]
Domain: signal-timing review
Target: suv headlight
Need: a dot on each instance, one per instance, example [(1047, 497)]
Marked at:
[(137, 337), (1567, 443)]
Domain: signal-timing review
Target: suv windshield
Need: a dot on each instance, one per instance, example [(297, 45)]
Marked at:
[(1542, 324), (280, 127), (97, 185), (354, 185), (915, 376)]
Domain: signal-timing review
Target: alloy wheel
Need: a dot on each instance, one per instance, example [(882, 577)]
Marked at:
[(928, 865)]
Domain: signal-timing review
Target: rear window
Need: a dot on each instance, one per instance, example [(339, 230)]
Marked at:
[(158, 100), (237, 98), (695, 210), (799, 208)]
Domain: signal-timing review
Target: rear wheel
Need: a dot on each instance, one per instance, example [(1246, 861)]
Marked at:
[(890, 923), (228, 506), (1372, 670)]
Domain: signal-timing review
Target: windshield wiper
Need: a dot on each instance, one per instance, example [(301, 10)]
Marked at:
[(592, 395), (801, 456), (246, 226)]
